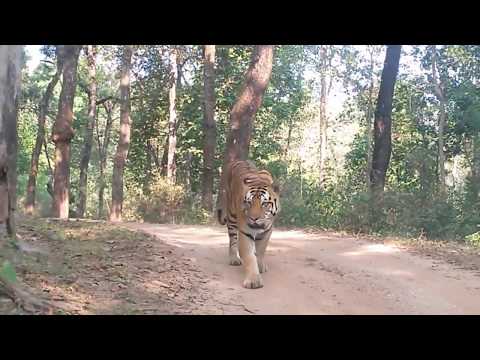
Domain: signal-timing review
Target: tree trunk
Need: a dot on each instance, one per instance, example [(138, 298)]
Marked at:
[(209, 127), (10, 76), (442, 120), (124, 140), (63, 131), (476, 167), (369, 121), (87, 147), (164, 160), (383, 122), (42, 116), (103, 152), (248, 102), (50, 170), (289, 138), (172, 119), (243, 111), (323, 116)]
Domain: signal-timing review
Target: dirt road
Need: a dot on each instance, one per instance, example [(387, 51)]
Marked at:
[(326, 273)]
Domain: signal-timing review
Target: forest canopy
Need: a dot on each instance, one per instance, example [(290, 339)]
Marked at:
[(155, 119)]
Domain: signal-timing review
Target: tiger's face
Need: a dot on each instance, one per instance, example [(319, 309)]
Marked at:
[(260, 206)]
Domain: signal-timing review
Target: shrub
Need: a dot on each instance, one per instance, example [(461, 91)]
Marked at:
[(473, 239), (159, 202)]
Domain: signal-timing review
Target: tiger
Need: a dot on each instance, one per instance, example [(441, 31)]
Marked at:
[(250, 205)]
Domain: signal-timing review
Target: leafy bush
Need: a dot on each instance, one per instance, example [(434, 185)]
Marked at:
[(163, 202), (338, 206), (473, 239), (159, 202)]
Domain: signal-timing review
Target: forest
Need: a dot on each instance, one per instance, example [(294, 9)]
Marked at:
[(366, 139)]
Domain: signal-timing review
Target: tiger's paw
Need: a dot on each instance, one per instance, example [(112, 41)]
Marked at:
[(262, 267), (235, 260), (253, 282)]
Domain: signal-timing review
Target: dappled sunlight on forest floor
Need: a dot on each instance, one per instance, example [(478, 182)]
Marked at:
[(98, 268)]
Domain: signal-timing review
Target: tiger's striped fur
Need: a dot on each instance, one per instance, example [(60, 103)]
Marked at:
[(250, 204)]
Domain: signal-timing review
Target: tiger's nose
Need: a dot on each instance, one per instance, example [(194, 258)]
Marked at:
[(253, 219)]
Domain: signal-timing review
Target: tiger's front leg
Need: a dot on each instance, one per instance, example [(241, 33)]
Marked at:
[(253, 279), (260, 248), (233, 248)]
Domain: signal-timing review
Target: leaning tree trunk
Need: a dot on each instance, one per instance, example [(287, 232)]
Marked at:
[(44, 104), (10, 75), (63, 132), (87, 147), (209, 128), (383, 123), (439, 93), (242, 114), (172, 119), (124, 140), (248, 102)]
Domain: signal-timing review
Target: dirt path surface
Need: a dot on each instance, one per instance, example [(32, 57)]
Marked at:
[(325, 273)]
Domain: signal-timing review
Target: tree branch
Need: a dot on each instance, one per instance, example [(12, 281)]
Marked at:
[(49, 62)]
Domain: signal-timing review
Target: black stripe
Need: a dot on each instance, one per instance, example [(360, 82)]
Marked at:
[(246, 234), (262, 235), (259, 236)]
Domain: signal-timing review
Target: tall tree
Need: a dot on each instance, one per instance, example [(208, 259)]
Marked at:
[(209, 127), (247, 103), (63, 132), (87, 146), (372, 52), (172, 116), (383, 122), (438, 88), (124, 139), (10, 75), (243, 111), (42, 116), (102, 149), (475, 169), (325, 64)]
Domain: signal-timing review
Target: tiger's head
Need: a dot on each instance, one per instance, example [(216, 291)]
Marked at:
[(261, 202)]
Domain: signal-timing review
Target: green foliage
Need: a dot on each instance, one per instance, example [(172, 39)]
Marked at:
[(158, 202), (473, 239), (412, 205), (162, 202)]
